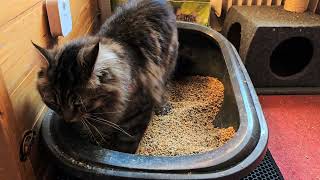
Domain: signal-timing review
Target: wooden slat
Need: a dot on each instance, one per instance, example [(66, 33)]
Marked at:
[(22, 88), (216, 6), (13, 8), (104, 9), (247, 2), (28, 108), (9, 166), (26, 101), (23, 66), (238, 2), (16, 36), (9, 169), (20, 63), (226, 5), (13, 130), (267, 2), (17, 66), (278, 2), (313, 5), (27, 57), (257, 2)]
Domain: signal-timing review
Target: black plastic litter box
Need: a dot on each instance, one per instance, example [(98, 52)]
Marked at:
[(203, 51)]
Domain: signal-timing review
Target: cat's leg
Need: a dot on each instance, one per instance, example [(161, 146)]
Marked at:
[(164, 109), (135, 124), (165, 106)]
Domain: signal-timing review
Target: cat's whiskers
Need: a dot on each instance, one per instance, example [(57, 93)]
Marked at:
[(104, 120), (85, 108), (90, 131), (95, 128), (109, 123)]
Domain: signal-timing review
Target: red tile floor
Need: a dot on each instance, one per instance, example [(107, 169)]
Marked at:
[(294, 140)]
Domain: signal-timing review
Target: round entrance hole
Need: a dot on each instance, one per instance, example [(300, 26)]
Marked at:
[(234, 35), (291, 56)]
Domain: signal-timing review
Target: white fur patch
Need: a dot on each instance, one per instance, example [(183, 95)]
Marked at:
[(105, 56), (108, 59)]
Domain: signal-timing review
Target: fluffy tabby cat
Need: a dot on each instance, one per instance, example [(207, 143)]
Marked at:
[(103, 81)]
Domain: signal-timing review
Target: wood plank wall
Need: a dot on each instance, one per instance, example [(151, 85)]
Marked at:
[(21, 22)]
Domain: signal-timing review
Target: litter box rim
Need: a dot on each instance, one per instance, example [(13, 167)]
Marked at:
[(242, 152)]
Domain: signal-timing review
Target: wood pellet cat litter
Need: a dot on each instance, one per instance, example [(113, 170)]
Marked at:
[(188, 127)]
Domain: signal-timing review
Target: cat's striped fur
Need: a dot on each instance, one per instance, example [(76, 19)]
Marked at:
[(105, 80)]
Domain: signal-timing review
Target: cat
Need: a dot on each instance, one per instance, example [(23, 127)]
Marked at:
[(105, 81)]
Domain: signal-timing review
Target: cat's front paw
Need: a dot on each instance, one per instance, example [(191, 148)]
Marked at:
[(163, 110)]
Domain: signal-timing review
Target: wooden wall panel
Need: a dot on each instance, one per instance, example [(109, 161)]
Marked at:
[(105, 9), (9, 157), (266, 2), (20, 62), (26, 101), (13, 8), (23, 65), (248, 2), (8, 167), (257, 2), (18, 55), (16, 50)]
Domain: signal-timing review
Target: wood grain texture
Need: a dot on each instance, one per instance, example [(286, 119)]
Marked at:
[(313, 4), (105, 10), (16, 50), (9, 169), (257, 2), (19, 55), (248, 2), (239, 2), (26, 101), (296, 6), (20, 62), (267, 2), (276, 2), (13, 8), (216, 5), (226, 5), (9, 159)]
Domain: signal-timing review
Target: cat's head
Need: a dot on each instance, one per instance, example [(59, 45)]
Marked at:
[(68, 84)]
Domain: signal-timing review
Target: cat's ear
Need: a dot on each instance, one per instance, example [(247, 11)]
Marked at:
[(91, 56), (44, 52)]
